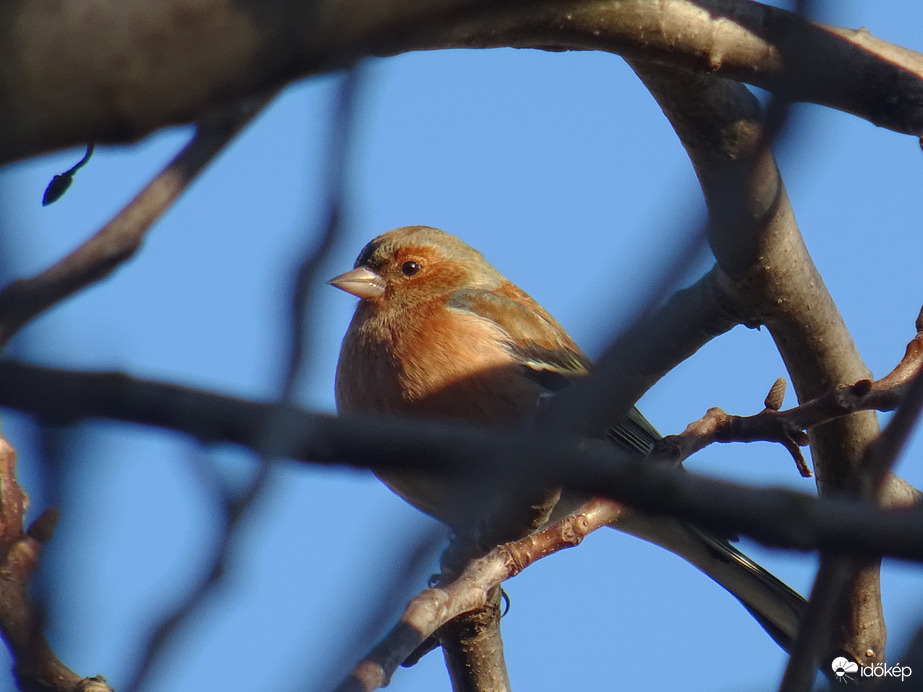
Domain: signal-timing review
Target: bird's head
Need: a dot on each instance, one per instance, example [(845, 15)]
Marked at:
[(414, 264)]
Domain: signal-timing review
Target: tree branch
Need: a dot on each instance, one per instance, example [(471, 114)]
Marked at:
[(787, 427), (473, 648), (117, 241), (147, 69), (800, 521), (767, 273), (37, 668), (839, 577), (435, 607)]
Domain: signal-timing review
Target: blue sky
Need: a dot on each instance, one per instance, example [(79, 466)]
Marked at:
[(562, 170)]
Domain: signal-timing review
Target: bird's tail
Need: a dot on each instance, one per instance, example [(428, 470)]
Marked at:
[(777, 607)]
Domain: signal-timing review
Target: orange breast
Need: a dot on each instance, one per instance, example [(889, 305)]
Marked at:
[(447, 365)]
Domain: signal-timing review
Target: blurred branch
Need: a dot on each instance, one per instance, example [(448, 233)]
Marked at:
[(836, 578), (839, 576), (310, 264), (236, 507), (799, 521), (434, 607), (912, 657), (640, 356), (37, 668), (230, 510), (145, 70), (24, 299), (768, 278)]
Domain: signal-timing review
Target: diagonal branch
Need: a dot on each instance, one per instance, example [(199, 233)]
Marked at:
[(434, 607), (117, 241), (145, 70), (787, 427), (37, 668), (800, 521), (236, 508)]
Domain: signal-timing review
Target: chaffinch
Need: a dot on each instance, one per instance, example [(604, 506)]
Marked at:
[(440, 333)]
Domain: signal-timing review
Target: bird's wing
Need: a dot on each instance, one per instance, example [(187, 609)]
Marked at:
[(546, 352), (550, 356), (532, 335)]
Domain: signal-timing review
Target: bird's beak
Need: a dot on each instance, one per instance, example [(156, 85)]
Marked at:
[(360, 282)]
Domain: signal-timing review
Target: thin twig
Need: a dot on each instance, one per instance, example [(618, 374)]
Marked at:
[(436, 606), (116, 242), (905, 384), (236, 508), (902, 384)]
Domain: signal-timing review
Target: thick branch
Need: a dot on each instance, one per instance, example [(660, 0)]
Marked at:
[(800, 521), (117, 241), (767, 273), (112, 71), (473, 648), (154, 65)]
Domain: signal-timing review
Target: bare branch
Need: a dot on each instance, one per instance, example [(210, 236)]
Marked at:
[(37, 668), (473, 649), (435, 607), (769, 279), (800, 521), (718, 426), (787, 427), (840, 578), (749, 42), (906, 385), (117, 241), (145, 69)]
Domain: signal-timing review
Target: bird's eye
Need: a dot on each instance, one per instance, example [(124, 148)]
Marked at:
[(410, 268)]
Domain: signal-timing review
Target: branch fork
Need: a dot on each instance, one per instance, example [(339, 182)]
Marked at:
[(789, 427), (37, 668)]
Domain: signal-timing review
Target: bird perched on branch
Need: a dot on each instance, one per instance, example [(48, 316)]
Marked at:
[(440, 333)]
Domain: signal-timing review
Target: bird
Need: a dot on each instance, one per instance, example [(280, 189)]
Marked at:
[(439, 333)]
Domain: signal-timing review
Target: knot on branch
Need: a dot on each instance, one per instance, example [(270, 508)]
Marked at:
[(789, 427), (770, 425), (36, 667)]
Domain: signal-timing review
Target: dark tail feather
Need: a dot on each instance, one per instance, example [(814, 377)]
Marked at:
[(777, 607)]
